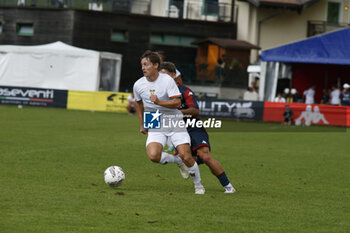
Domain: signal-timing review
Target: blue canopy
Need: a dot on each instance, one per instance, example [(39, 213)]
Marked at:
[(329, 48)]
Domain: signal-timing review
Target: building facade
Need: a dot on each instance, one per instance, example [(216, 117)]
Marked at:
[(270, 23), (120, 32)]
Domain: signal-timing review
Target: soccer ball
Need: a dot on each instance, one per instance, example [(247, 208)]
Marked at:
[(114, 176)]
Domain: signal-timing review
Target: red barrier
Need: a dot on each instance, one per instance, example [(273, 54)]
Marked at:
[(315, 114)]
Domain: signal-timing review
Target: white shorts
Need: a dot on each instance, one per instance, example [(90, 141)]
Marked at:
[(176, 138)]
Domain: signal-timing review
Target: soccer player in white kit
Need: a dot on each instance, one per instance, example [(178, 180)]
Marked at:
[(159, 92)]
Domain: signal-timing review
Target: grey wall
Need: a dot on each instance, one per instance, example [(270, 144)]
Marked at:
[(92, 30), (49, 25)]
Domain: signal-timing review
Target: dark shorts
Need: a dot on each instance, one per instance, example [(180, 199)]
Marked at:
[(199, 138), (287, 120)]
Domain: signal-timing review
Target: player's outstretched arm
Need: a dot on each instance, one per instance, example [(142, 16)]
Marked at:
[(190, 111), (172, 103), (139, 111)]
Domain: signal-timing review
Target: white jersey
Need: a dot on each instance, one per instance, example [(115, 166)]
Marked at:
[(335, 97), (165, 88), (280, 100), (309, 96)]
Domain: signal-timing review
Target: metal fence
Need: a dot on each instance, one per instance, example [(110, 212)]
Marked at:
[(195, 10)]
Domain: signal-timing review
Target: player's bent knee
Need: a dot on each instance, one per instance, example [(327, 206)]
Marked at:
[(205, 156), (154, 157), (188, 159), (154, 151)]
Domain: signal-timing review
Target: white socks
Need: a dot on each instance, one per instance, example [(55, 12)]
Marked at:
[(195, 175), (168, 158), (193, 171), (228, 187)]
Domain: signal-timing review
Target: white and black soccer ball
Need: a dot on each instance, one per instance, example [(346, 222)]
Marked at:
[(114, 176)]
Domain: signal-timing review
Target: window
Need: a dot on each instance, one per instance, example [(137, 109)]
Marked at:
[(156, 39), (121, 5), (25, 29), (176, 8), (170, 39), (333, 12), (187, 40), (211, 7), (119, 35)]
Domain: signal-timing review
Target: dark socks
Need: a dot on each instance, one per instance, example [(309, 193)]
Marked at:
[(223, 179)]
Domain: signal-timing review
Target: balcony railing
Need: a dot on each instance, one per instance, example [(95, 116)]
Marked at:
[(315, 27), (202, 10), (195, 10)]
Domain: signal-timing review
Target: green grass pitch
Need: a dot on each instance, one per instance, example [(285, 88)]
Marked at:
[(52, 163)]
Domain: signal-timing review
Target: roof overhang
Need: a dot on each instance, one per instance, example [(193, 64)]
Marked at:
[(227, 43), (285, 4)]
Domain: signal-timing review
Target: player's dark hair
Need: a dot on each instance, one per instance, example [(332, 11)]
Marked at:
[(152, 56), (169, 66)]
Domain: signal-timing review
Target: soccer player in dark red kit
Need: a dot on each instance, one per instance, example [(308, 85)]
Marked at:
[(199, 137)]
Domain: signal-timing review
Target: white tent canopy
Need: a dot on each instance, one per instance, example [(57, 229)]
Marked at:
[(56, 66)]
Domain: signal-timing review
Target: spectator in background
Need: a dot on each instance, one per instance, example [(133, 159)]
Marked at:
[(21, 2), (288, 115), (280, 98), (34, 3), (344, 98), (325, 97), (251, 94), (295, 97), (60, 3), (255, 85), (334, 96), (131, 104), (309, 95), (219, 70), (291, 95)]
